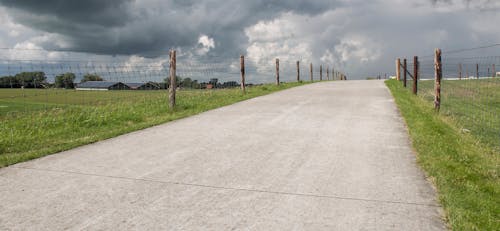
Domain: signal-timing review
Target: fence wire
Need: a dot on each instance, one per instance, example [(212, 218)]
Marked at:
[(470, 93), (44, 91)]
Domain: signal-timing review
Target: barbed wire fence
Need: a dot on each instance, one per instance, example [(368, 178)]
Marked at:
[(38, 87), (465, 88)]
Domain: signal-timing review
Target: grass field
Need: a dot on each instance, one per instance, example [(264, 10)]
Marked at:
[(463, 166), (34, 123), (474, 105)]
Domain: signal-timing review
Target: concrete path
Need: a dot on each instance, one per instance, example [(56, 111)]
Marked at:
[(326, 156)]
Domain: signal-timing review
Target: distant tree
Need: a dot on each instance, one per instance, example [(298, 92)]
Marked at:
[(65, 80), (9, 82), (195, 84), (187, 83), (35, 79), (213, 81), (230, 84), (178, 81), (91, 77)]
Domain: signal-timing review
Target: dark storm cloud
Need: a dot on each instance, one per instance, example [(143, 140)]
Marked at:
[(348, 34), (105, 13), (128, 27)]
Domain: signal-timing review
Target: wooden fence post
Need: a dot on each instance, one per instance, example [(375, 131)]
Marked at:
[(277, 71), (405, 70), (438, 74), (477, 70), (311, 71), (173, 84), (415, 74), (298, 71), (320, 72), (460, 71), (242, 64), (398, 69)]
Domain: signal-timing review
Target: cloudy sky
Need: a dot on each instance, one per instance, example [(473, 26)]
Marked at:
[(360, 36)]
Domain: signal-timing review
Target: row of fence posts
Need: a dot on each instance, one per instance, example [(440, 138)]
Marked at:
[(173, 66), (438, 75), (477, 71), (406, 72), (414, 75)]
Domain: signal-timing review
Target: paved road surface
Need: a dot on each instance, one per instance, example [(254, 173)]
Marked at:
[(326, 156)]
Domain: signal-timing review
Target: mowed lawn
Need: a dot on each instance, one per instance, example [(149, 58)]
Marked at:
[(34, 123)]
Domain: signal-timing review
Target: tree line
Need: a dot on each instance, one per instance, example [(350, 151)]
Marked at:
[(38, 79)]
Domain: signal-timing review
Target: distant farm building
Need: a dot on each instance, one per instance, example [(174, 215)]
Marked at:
[(143, 86), (101, 86)]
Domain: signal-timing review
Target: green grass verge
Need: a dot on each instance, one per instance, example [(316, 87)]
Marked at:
[(464, 169), (40, 123)]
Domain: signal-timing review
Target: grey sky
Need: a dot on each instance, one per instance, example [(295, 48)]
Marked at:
[(362, 37)]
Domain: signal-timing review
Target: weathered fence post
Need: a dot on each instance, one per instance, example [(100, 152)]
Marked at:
[(311, 71), (277, 71), (438, 74), (415, 74), (405, 70), (173, 84), (460, 71), (242, 64), (477, 70), (320, 72), (298, 71), (398, 69)]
